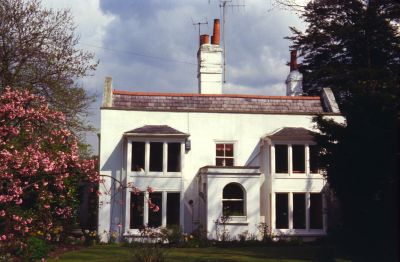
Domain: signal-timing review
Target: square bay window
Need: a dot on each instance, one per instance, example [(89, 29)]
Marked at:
[(137, 210), (224, 155), (156, 156), (299, 210), (282, 210), (138, 149), (174, 157), (316, 211), (314, 163), (155, 216), (281, 159), (299, 158), (173, 208)]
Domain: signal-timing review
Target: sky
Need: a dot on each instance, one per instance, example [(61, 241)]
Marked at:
[(151, 45)]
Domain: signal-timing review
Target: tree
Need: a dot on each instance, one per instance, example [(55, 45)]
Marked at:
[(354, 48), (38, 52), (40, 170)]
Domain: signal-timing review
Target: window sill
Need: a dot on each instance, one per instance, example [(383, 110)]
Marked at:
[(303, 232), (296, 175), (155, 174), (237, 220)]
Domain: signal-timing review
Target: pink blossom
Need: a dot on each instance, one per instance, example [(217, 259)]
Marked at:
[(3, 237)]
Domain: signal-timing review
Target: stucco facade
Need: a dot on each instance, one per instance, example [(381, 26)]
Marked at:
[(212, 157)]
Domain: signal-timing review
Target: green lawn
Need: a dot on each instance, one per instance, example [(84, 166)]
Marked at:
[(248, 254)]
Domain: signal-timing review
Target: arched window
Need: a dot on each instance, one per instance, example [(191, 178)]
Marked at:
[(233, 200)]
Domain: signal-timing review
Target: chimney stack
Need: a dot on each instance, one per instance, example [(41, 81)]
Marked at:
[(294, 81), (204, 39), (215, 39), (209, 58), (293, 60)]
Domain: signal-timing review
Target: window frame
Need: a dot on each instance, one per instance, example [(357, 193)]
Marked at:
[(146, 210), (128, 151), (291, 172), (291, 229), (233, 157), (235, 200)]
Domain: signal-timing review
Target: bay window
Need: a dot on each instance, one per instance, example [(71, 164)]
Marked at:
[(156, 156)]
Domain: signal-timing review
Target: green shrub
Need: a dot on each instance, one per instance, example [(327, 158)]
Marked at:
[(152, 253), (37, 249)]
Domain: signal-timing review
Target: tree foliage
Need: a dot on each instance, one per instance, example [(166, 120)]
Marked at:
[(40, 170), (38, 52), (353, 46)]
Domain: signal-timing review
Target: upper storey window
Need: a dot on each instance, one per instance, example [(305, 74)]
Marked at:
[(157, 161), (293, 151), (224, 154), (155, 148)]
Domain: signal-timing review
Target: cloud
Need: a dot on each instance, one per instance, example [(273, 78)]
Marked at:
[(151, 45)]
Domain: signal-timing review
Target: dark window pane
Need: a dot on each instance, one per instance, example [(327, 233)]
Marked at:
[(136, 210), (282, 207), (316, 211), (281, 159), (299, 159), (228, 161), (232, 191), (138, 156), (174, 157), (314, 163), (220, 162), (156, 156), (155, 216), (233, 200), (219, 150), (229, 150), (173, 208), (232, 208), (299, 211)]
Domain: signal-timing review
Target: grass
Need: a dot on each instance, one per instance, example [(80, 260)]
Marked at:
[(248, 254)]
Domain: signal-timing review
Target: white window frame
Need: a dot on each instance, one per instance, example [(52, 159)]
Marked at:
[(147, 142), (292, 230), (243, 200), (290, 159), (130, 231), (234, 157)]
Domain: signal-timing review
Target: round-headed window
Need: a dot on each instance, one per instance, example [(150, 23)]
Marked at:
[(233, 200)]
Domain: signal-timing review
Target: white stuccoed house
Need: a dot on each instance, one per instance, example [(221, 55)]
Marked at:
[(210, 155)]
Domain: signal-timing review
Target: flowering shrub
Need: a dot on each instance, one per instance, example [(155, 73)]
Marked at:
[(40, 170)]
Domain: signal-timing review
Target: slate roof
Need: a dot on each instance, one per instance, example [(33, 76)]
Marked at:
[(292, 133), (226, 103), (155, 130)]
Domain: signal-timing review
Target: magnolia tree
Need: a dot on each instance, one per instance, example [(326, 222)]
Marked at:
[(40, 169)]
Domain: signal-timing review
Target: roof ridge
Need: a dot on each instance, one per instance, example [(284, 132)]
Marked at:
[(129, 93)]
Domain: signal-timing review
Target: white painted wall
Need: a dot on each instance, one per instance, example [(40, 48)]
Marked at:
[(205, 129)]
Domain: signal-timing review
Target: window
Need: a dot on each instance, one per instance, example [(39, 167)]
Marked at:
[(299, 158), (281, 159), (233, 200), (173, 208), (282, 210), (299, 211), (155, 216), (316, 211), (153, 160), (156, 156), (224, 155), (137, 209), (174, 157), (138, 149), (314, 164)]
